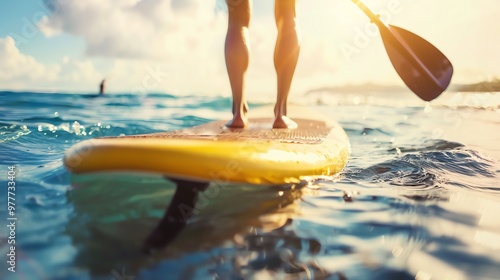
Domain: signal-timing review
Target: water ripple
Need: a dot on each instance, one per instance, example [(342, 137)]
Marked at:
[(408, 204)]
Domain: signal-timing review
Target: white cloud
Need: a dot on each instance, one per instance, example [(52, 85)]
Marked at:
[(185, 39), (21, 71), (182, 37), (77, 72), (17, 66), (137, 29)]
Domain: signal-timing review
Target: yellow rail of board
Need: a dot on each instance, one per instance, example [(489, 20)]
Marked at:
[(251, 161)]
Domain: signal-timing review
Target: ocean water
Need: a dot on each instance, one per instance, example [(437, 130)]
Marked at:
[(419, 198)]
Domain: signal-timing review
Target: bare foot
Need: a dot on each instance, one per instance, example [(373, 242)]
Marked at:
[(284, 122), (238, 121)]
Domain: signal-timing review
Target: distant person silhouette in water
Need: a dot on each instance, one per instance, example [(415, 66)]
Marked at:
[(102, 87), (237, 53)]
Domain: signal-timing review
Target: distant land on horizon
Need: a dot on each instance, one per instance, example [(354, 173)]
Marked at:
[(485, 86)]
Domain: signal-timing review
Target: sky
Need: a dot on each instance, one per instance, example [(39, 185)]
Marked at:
[(177, 46)]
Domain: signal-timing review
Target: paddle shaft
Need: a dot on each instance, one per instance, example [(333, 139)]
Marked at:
[(373, 17)]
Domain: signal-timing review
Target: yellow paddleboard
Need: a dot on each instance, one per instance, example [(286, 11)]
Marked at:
[(212, 152)]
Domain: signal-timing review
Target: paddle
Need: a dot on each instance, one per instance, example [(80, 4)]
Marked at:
[(423, 68)]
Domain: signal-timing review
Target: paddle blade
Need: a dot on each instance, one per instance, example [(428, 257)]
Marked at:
[(423, 68)]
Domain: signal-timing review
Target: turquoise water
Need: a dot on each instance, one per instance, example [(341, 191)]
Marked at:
[(419, 198)]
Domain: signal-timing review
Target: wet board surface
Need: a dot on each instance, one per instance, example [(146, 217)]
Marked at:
[(258, 154)]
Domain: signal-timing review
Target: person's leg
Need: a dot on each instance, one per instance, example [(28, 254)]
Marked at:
[(286, 55), (237, 52)]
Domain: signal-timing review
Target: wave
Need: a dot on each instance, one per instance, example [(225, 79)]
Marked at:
[(435, 166)]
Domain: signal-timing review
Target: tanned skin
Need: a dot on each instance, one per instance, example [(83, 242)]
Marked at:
[(237, 54)]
